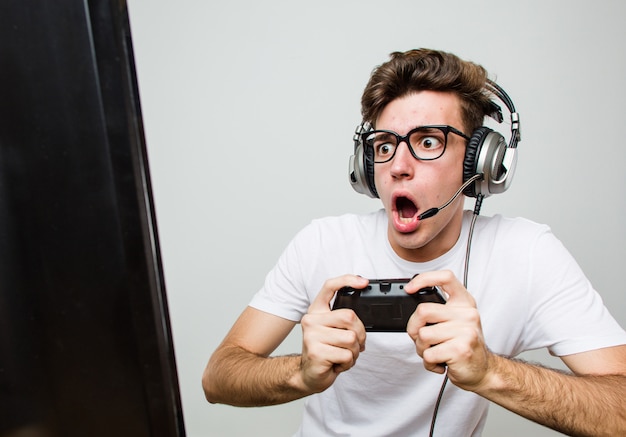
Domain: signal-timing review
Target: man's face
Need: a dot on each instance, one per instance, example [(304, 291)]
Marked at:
[(408, 187)]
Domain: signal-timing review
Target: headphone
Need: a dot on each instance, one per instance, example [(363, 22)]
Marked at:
[(486, 154)]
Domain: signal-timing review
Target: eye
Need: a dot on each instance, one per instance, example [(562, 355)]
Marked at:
[(430, 143), (383, 145), (382, 150), (427, 142)]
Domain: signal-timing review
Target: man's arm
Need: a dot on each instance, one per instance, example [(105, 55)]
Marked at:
[(588, 402), (241, 371)]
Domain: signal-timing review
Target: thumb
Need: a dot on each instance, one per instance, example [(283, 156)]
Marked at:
[(457, 293), (330, 287)]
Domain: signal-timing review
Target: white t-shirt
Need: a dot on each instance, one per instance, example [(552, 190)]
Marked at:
[(529, 291)]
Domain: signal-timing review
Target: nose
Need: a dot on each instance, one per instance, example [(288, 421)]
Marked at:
[(403, 162)]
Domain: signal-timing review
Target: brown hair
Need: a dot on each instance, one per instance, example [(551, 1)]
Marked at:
[(424, 69)]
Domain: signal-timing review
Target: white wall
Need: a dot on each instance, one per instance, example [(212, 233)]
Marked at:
[(249, 109)]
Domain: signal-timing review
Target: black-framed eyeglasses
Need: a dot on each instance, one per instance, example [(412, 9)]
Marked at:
[(425, 142)]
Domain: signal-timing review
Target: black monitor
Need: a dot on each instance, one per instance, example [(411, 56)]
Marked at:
[(85, 339)]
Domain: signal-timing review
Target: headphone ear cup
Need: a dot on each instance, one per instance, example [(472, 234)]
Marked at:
[(361, 173), (368, 164), (472, 152), (488, 155)]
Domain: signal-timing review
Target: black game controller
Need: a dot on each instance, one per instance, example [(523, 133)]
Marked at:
[(384, 306)]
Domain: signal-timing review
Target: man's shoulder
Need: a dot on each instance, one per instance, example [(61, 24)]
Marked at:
[(351, 221), (512, 233), (345, 229), (502, 224)]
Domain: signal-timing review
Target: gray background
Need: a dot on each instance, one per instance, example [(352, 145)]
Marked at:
[(249, 109)]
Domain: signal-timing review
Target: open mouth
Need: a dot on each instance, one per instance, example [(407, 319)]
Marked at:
[(406, 209)]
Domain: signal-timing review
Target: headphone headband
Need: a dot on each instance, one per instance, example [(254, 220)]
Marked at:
[(498, 91)]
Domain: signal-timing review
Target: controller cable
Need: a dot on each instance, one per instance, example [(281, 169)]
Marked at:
[(477, 206)]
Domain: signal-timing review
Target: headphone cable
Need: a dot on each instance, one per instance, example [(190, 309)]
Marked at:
[(477, 206)]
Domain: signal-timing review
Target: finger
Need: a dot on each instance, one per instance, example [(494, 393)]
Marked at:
[(322, 300), (458, 342), (431, 343), (332, 357), (425, 314), (324, 326), (437, 324), (447, 281), (337, 339), (325, 343), (434, 360), (347, 350), (351, 322)]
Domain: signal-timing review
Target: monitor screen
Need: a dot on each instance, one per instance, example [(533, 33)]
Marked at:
[(85, 339)]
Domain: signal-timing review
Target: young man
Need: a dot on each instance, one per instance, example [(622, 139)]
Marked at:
[(523, 290)]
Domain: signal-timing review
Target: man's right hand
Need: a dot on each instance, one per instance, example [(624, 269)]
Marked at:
[(332, 340)]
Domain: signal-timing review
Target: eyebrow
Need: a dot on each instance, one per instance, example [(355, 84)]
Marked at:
[(383, 135), (426, 129)]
